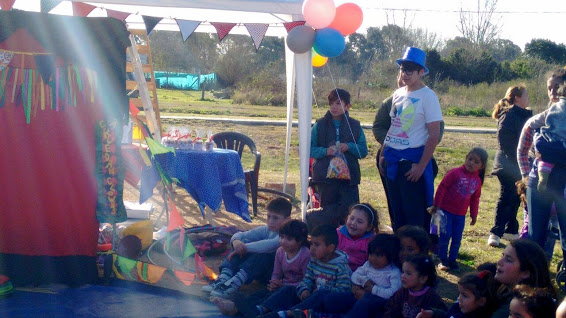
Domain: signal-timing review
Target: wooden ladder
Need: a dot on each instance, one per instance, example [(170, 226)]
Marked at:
[(139, 64)]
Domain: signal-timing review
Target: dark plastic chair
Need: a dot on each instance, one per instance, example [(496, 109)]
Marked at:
[(239, 142)]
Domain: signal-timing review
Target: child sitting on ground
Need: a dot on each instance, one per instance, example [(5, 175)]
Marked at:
[(417, 279), (291, 260), (374, 282), (459, 190), (531, 302), (413, 240), (328, 271), (475, 300), (353, 238), (253, 252)]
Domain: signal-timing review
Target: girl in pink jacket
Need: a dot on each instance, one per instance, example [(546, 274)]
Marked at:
[(459, 190), (355, 235)]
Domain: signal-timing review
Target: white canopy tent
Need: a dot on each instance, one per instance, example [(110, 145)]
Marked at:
[(299, 67)]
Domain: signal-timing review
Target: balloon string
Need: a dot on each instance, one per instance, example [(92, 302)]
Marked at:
[(341, 104)]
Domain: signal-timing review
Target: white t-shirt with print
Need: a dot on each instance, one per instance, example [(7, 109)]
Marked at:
[(410, 112)]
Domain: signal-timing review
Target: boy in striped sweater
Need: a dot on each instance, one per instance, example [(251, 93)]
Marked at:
[(328, 271)]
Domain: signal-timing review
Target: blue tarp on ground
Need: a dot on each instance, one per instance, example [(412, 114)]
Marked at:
[(119, 299), (183, 80)]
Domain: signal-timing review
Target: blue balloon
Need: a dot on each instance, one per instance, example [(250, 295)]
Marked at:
[(329, 42)]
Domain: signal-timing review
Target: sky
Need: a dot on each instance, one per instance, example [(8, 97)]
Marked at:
[(520, 20)]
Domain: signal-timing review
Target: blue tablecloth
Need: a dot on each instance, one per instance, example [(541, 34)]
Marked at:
[(208, 176)]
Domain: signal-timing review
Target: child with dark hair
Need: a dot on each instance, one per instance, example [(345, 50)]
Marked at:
[(354, 236), (291, 260), (413, 240), (374, 282), (476, 298), (459, 190), (337, 143), (328, 271), (417, 280), (529, 302), (253, 252)]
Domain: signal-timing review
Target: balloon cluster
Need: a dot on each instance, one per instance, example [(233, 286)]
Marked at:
[(325, 28)]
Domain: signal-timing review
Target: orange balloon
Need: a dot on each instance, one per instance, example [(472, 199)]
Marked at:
[(348, 18), (318, 60)]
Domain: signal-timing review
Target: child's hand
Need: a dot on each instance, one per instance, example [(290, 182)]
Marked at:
[(473, 221), (274, 284), (415, 173), (239, 247), (425, 314), (358, 291), (432, 209), (342, 147), (305, 294), (368, 286), (331, 151)]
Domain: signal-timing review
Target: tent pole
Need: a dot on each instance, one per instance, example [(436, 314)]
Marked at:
[(303, 70), (290, 73)]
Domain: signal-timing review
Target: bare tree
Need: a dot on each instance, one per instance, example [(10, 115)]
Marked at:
[(482, 26)]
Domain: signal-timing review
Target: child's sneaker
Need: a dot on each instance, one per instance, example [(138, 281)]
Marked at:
[(224, 291), (212, 286)]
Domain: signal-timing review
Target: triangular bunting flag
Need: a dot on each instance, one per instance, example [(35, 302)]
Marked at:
[(46, 66), (185, 277), (257, 32), (6, 4), (117, 14), (187, 27), (150, 23), (175, 219), (222, 29), (82, 9), (48, 5), (290, 25)]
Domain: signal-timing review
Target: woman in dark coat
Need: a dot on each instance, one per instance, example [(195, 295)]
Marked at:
[(511, 113)]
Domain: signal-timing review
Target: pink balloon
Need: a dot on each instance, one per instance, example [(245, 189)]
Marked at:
[(319, 13), (348, 18)]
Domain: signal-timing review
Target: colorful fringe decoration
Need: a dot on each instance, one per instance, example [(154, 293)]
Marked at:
[(68, 86)]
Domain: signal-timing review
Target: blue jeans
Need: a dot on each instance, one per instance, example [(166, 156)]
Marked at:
[(451, 227), (285, 298), (368, 306), (257, 266), (540, 204)]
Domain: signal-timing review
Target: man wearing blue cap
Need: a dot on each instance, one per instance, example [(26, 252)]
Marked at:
[(410, 144)]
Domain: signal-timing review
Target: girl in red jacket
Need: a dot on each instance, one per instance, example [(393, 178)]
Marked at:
[(459, 189)]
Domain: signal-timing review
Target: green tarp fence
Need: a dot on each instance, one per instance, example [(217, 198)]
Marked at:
[(183, 80)]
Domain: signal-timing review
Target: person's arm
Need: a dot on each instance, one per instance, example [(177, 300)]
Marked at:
[(360, 275), (474, 205), (308, 281), (277, 271), (257, 240), (382, 120), (387, 292), (443, 187), (360, 148), (525, 144), (317, 151), (417, 169), (343, 283)]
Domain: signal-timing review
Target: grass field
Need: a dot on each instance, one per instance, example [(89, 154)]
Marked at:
[(450, 153)]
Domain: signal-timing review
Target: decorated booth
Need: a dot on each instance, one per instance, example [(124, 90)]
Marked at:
[(62, 96)]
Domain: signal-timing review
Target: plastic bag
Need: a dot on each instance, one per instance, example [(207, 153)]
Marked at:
[(436, 222), (338, 168)]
